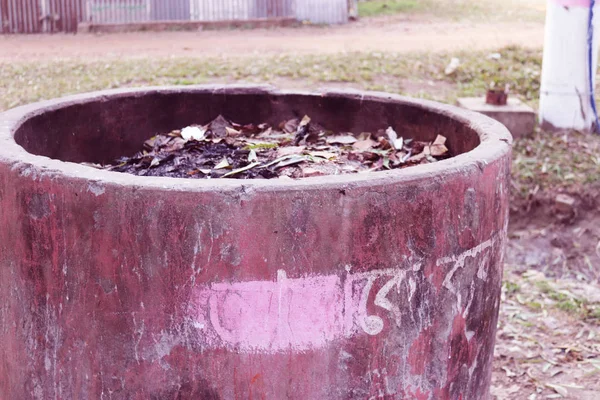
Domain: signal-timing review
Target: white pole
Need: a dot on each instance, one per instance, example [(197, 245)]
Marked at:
[(565, 87)]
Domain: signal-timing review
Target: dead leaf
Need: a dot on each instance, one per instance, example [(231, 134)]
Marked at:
[(405, 158), (240, 170), (395, 141), (364, 144), (232, 132), (437, 150), (252, 157), (175, 144), (325, 154), (513, 389), (417, 158), (219, 126), (290, 150), (438, 147), (277, 160), (386, 162), (341, 139), (290, 126), (558, 389), (305, 121), (290, 161), (310, 172), (266, 133), (302, 130), (440, 140), (223, 164), (385, 144)]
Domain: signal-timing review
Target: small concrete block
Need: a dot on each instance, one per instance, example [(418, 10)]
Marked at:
[(518, 117)]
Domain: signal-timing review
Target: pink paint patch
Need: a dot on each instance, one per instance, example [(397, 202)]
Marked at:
[(294, 314), (573, 3)]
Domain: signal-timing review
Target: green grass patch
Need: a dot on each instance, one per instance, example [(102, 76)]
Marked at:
[(387, 7), (511, 288), (475, 10), (569, 303)]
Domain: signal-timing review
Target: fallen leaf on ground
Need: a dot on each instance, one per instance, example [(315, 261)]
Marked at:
[(223, 164), (341, 139), (240, 170), (290, 150), (364, 144)]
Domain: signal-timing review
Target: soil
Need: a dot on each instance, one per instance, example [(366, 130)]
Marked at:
[(294, 149), (563, 244), (548, 342), (389, 34)]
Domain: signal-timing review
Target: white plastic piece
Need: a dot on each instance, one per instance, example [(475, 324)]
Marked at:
[(193, 133), (453, 66)]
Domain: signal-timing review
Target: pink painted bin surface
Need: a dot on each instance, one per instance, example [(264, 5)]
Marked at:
[(366, 286)]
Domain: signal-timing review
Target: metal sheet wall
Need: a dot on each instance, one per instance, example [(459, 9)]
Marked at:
[(115, 11), (322, 11), (36, 16), (213, 10), (19, 15)]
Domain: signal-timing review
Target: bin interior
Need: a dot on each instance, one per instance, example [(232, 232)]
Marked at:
[(103, 129)]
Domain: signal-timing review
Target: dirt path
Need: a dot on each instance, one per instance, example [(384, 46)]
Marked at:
[(385, 35)]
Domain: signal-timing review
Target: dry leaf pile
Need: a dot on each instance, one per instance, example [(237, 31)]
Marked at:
[(294, 149)]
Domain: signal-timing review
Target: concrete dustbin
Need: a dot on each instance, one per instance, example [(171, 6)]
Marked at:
[(367, 286)]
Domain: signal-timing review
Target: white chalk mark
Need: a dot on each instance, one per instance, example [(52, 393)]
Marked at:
[(308, 312), (459, 261), (371, 324), (381, 299)]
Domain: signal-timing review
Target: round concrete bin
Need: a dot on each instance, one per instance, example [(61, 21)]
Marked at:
[(112, 286)]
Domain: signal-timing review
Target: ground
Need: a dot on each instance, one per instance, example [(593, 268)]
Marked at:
[(548, 344), (397, 33), (389, 34)]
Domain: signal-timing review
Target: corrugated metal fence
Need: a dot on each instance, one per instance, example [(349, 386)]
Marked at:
[(33, 16), (322, 11), (212, 10), (36, 16)]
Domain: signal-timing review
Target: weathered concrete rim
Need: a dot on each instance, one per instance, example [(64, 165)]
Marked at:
[(495, 143)]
